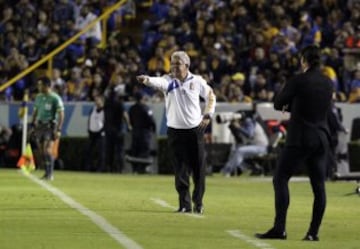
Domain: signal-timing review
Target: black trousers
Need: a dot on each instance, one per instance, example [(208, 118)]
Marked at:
[(94, 158), (314, 156), (140, 147), (114, 151), (187, 153)]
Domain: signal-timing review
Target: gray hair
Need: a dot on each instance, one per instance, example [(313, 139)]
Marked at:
[(182, 56)]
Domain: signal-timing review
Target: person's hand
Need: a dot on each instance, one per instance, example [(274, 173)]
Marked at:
[(235, 123), (144, 79), (57, 134), (204, 123)]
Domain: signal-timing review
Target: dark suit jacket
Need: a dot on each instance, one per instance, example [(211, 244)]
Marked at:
[(308, 96)]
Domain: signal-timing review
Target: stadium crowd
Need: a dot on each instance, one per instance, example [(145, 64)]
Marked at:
[(244, 48)]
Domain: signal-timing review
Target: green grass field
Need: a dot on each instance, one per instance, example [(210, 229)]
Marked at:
[(140, 208)]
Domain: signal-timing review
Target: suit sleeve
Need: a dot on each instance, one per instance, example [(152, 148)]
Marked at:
[(286, 95)]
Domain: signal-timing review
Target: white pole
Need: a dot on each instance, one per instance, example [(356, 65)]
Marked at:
[(25, 121)]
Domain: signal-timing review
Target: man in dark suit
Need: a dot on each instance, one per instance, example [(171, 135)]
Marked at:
[(308, 98), (143, 125)]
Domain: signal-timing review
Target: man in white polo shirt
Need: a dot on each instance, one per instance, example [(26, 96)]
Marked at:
[(186, 125)]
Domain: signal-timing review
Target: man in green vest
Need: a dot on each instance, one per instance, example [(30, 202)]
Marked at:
[(47, 120)]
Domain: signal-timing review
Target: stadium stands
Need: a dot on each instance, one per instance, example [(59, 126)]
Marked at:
[(258, 39)]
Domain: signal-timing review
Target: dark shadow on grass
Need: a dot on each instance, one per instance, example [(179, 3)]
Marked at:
[(153, 211), (350, 194)]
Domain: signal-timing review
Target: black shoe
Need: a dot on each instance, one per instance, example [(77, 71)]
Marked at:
[(183, 210), (271, 234), (198, 210), (309, 237)]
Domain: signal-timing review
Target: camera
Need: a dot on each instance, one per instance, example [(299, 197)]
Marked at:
[(225, 117)]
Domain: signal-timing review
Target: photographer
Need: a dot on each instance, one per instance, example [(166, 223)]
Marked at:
[(251, 140)]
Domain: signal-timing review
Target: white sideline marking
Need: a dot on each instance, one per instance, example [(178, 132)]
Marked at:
[(101, 222), (164, 204), (260, 244)]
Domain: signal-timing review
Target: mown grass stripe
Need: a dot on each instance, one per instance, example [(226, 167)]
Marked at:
[(101, 222)]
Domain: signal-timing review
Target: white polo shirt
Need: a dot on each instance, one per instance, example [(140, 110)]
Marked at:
[(182, 99), (96, 120)]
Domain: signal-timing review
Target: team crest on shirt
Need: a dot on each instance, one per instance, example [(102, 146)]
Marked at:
[(191, 86), (47, 106)]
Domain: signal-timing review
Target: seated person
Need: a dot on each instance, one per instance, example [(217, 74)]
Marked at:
[(251, 140)]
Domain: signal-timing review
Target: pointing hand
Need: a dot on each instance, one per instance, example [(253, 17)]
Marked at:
[(142, 79)]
